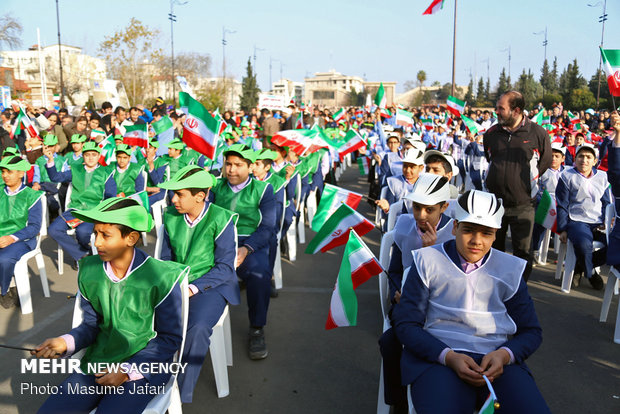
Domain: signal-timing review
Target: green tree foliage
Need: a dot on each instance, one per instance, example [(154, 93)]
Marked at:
[(504, 83), (249, 89)]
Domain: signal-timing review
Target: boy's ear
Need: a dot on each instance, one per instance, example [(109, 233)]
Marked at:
[(132, 238), (444, 207), (455, 224)]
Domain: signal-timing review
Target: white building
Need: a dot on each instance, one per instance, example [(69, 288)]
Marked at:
[(288, 89), (332, 89)]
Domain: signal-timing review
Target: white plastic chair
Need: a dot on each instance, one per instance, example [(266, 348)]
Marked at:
[(613, 281), (71, 232), (22, 279), (544, 248), (291, 233), (170, 399), (395, 211), (378, 212), (221, 337), (385, 253), (311, 206), (159, 206)]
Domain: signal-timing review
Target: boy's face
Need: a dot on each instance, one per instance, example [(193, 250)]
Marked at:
[(438, 169), (260, 169), (393, 144), (77, 147), (51, 148), (237, 169), (122, 160), (12, 178), (91, 158), (94, 123), (584, 161), (427, 216), (185, 202), (473, 241), (411, 171), (557, 160), (579, 140), (110, 243), (173, 152)]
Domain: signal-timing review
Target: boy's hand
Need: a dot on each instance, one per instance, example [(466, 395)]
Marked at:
[(383, 205), (465, 367), (6, 241), (36, 186), (429, 237), (397, 297), (242, 253), (563, 237), (493, 363), (289, 171), (50, 348), (112, 379)]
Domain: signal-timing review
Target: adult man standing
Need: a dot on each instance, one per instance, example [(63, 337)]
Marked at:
[(519, 151), (271, 126)]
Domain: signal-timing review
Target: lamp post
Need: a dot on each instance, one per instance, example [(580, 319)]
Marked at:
[(62, 84), (545, 43), (173, 18), (601, 19)]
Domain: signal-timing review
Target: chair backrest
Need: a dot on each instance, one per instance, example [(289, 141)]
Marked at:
[(395, 211), (385, 254), (144, 178), (379, 212), (297, 191), (159, 242), (68, 196), (610, 214), (44, 218), (283, 210)]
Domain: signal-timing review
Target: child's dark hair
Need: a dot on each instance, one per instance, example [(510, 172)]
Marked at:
[(128, 202), (435, 158), (194, 191)]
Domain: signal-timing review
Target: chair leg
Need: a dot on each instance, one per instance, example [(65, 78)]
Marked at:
[(61, 260), (22, 283), (217, 349), (569, 268), (617, 329), (609, 290), (175, 400), (291, 238), (144, 241), (301, 221), (544, 250), (42, 274), (277, 268), (382, 407), (228, 339), (561, 257)]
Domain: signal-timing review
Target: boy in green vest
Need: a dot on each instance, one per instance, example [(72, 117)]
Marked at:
[(77, 143), (201, 235), (128, 175), (255, 203), (132, 315), (44, 183), (90, 184), (20, 223)]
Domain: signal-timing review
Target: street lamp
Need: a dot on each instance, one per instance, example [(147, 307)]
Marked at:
[(545, 42), (173, 18), (62, 84), (509, 58), (601, 19)]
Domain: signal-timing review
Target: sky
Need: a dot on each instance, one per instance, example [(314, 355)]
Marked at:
[(377, 40)]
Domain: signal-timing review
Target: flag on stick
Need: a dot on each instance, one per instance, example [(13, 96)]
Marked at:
[(611, 62), (331, 199), (136, 135), (200, 129), (380, 99), (455, 106)]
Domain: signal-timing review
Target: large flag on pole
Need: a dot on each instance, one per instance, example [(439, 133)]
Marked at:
[(136, 135), (331, 199), (335, 230), (435, 6), (200, 129), (455, 106), (358, 265), (611, 62), (380, 99)]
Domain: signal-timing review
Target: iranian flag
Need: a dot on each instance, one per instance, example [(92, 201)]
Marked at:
[(96, 133), (108, 146), (200, 129), (23, 121), (339, 114), (573, 118), (136, 135), (428, 123), (404, 118), (364, 164), (222, 124), (331, 199), (358, 265), (435, 6), (611, 60), (380, 99), (300, 141), (164, 129), (352, 142), (143, 198), (538, 118), (473, 126), (455, 105), (385, 113), (546, 212), (299, 124), (335, 231)]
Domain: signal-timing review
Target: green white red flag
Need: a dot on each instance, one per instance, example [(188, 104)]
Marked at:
[(141, 197), (364, 165), (108, 147), (434, 7), (573, 118), (380, 99), (331, 199), (352, 142), (611, 63), (546, 212), (358, 265), (300, 141), (136, 135), (428, 123), (474, 127), (95, 133), (404, 118), (455, 106), (339, 114), (23, 121), (200, 129)]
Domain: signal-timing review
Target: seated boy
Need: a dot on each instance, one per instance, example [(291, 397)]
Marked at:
[(128, 175), (399, 186), (77, 143), (582, 195), (20, 223), (465, 312), (45, 184), (132, 314), (439, 163), (201, 235)]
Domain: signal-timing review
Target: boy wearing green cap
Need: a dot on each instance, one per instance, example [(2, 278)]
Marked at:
[(77, 142), (132, 315), (128, 175), (201, 235), (20, 223), (90, 184), (42, 180), (174, 159), (255, 203)]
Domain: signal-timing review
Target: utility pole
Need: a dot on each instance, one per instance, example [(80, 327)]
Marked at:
[(509, 58), (173, 18), (454, 50), (224, 31), (545, 47), (62, 84), (601, 19)]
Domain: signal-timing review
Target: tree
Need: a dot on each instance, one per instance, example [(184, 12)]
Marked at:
[(213, 96), (421, 77), (193, 66), (546, 78), (487, 91), (131, 58), (529, 88), (554, 75), (605, 96), (581, 98), (436, 83), (503, 85), (249, 89), (10, 32), (469, 95), (570, 80), (480, 101)]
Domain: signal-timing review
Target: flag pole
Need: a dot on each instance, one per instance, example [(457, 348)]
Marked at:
[(454, 50)]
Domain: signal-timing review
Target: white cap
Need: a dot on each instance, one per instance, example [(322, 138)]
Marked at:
[(417, 144), (442, 126), (447, 157), (388, 128), (414, 156), (587, 145), (558, 147), (479, 207), (430, 189)]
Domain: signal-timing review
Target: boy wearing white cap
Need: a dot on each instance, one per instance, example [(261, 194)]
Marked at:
[(400, 186), (465, 313)]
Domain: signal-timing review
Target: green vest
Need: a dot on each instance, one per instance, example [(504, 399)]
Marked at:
[(88, 189), (59, 161), (126, 181), (245, 203), (314, 161), (73, 163), (175, 163), (126, 309), (276, 182), (15, 208), (194, 246)]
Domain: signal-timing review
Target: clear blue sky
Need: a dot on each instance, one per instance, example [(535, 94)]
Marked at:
[(388, 41)]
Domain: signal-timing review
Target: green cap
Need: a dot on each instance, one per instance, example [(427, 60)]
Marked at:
[(267, 154), (243, 151), (154, 143), (14, 163), (118, 136), (176, 144), (91, 146), (131, 214), (124, 148), (228, 135), (77, 138), (50, 140), (245, 123), (183, 180), (10, 151)]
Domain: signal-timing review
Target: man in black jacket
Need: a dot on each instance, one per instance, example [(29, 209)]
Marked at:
[(518, 151)]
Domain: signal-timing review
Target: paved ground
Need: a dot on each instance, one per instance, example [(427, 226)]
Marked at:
[(310, 370)]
